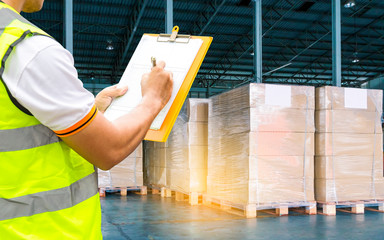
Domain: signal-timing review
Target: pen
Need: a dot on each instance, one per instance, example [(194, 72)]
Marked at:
[(153, 60)]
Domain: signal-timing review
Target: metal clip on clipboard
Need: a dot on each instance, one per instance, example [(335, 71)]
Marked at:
[(174, 37)]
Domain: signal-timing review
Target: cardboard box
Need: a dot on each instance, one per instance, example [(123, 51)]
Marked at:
[(348, 121), (338, 98), (348, 144), (197, 133), (254, 120), (197, 110), (262, 144), (330, 167), (273, 97), (349, 189)]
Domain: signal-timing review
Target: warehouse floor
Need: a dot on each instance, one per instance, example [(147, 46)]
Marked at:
[(153, 217)]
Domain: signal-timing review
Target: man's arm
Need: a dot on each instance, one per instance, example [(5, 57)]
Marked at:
[(104, 143)]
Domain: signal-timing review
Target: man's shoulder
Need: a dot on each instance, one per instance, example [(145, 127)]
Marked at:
[(38, 43), (42, 46)]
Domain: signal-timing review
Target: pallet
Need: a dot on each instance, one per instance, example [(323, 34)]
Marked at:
[(193, 198), (123, 190), (253, 210), (355, 207)]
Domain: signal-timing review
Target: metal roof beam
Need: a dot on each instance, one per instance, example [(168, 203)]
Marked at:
[(238, 44), (349, 37), (208, 16), (135, 17)]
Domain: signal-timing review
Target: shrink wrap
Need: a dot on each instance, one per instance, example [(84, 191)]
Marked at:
[(128, 173), (182, 160), (349, 145), (261, 146)]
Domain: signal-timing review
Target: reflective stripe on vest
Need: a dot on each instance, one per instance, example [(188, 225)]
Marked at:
[(6, 17), (49, 201), (26, 138)]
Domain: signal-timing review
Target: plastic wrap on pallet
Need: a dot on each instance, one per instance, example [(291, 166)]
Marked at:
[(154, 163), (180, 164), (261, 146), (349, 145), (128, 173), (188, 149)]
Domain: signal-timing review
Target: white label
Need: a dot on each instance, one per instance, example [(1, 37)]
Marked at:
[(355, 98), (278, 95)]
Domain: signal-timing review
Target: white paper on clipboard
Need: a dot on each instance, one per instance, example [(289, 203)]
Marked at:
[(178, 58)]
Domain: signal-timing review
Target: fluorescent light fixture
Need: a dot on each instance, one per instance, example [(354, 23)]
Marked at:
[(355, 58), (109, 45), (349, 3)]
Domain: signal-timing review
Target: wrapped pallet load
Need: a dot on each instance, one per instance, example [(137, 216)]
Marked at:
[(261, 148), (349, 146), (180, 164), (187, 151), (154, 164), (128, 174)]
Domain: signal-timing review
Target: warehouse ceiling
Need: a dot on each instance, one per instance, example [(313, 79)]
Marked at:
[(297, 39)]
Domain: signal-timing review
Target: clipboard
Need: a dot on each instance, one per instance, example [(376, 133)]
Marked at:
[(160, 134)]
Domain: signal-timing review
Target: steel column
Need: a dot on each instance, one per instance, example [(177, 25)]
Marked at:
[(336, 43), (257, 41), (168, 16), (68, 25)]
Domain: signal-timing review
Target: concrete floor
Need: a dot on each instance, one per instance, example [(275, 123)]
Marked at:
[(153, 217)]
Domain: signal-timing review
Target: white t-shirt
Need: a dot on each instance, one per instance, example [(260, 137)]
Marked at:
[(41, 76)]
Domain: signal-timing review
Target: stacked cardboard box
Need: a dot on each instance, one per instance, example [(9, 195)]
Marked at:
[(187, 151), (128, 173), (348, 162), (155, 164), (261, 146)]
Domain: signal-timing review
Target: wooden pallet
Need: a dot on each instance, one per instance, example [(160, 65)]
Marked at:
[(356, 207), (154, 189), (194, 198), (253, 210), (123, 190)]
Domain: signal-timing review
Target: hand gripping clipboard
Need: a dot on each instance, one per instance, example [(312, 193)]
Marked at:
[(183, 55)]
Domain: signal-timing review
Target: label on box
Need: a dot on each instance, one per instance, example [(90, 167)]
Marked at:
[(278, 95), (355, 98)]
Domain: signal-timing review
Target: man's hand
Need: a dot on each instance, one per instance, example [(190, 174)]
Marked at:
[(105, 143), (105, 97), (157, 86)]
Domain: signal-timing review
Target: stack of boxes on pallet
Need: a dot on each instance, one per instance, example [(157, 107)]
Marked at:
[(155, 164), (261, 148), (126, 174), (184, 156), (187, 150), (348, 163), (258, 149)]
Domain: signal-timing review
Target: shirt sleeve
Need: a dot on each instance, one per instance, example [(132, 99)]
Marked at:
[(46, 83)]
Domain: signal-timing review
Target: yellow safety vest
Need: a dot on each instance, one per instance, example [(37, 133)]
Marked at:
[(47, 191)]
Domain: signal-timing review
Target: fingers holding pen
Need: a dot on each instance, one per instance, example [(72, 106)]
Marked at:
[(157, 63)]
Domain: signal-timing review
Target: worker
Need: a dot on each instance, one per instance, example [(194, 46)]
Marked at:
[(53, 133)]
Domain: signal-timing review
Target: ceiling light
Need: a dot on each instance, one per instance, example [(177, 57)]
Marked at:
[(355, 58), (109, 45), (252, 53), (349, 3)]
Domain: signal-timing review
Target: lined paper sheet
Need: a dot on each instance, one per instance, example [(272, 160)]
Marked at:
[(178, 58)]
